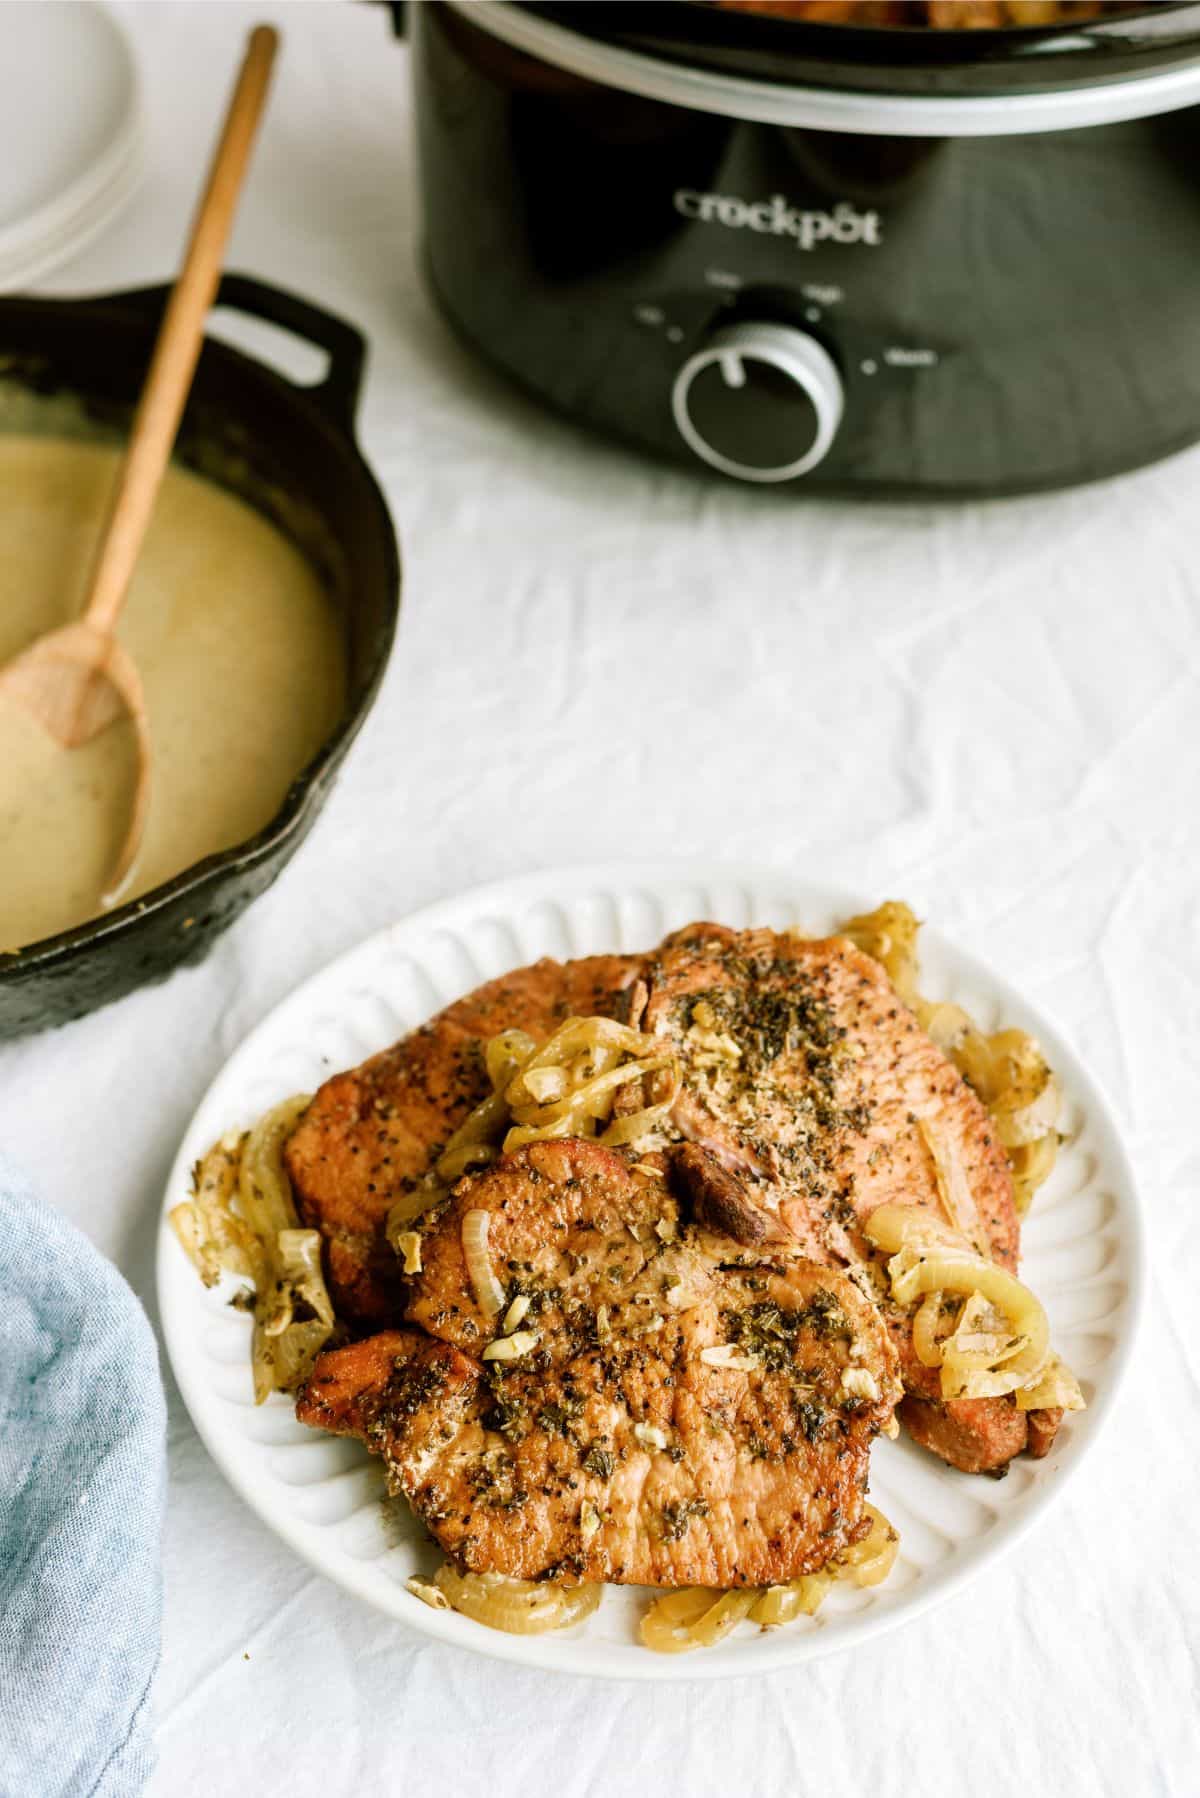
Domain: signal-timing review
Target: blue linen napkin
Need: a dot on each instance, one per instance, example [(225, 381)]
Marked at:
[(82, 1463)]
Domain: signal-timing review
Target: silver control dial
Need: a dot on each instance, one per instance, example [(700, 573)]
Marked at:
[(761, 402)]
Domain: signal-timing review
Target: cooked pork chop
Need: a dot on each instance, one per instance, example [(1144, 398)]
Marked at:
[(808, 1079), (611, 1448), (370, 1134)]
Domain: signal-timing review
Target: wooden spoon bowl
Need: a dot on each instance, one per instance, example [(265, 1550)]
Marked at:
[(76, 681)]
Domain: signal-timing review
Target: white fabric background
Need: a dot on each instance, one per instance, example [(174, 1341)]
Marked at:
[(991, 710)]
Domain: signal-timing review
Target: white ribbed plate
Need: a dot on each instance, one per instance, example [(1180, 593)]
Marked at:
[(1083, 1254)]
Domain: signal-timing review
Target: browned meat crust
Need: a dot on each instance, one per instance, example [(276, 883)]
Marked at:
[(1043, 1428), (370, 1134), (806, 1074), (720, 1200), (811, 1125), (612, 1450), (979, 1435)]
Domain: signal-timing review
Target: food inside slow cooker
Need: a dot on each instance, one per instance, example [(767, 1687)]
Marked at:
[(944, 15)]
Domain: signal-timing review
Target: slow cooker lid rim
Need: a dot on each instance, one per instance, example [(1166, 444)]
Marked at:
[(1101, 99), (1152, 27)]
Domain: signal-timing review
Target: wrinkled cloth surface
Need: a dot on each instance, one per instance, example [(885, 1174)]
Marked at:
[(82, 1430), (990, 710)]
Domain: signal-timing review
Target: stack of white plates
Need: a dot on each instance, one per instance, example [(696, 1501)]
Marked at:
[(70, 133)]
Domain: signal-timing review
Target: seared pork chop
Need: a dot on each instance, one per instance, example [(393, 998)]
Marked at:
[(685, 1409), (372, 1133), (806, 1076)]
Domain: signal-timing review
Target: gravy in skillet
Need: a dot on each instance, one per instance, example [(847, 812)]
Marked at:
[(242, 658)]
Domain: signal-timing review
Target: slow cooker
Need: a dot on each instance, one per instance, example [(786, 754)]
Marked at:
[(838, 257)]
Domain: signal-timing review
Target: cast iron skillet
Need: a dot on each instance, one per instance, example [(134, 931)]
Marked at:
[(290, 452)]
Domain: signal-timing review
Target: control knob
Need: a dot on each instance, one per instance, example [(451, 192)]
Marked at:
[(761, 402)]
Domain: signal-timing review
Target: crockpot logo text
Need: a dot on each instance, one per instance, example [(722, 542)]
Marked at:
[(777, 217)]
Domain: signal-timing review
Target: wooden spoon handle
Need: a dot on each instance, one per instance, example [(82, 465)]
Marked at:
[(179, 338)]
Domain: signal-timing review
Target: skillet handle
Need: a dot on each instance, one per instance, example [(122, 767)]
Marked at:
[(338, 394)]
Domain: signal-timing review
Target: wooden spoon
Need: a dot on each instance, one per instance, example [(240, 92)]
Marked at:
[(77, 679)]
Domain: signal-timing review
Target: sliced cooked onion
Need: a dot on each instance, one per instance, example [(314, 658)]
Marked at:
[(866, 1563), (428, 1593), (666, 1627), (889, 936), (894, 1227), (215, 1239), (568, 1086), (264, 1191), (981, 1337), (1032, 1164), (1027, 1324), (948, 1025), (694, 1617), (583, 1098), (506, 1054), (519, 1607), (636, 1124), (1056, 1385), (954, 1188), (565, 1087), (241, 1219), (1028, 1122), (928, 1260), (478, 1138), (411, 1205), (730, 1610), (290, 1358), (576, 1036), (981, 1356), (481, 1129), (869, 1562), (1010, 1074), (489, 1294), (452, 1164), (926, 1321), (546, 1085), (298, 1278), (520, 1134), (801, 1597), (1028, 1108), (965, 1044), (1008, 1070)]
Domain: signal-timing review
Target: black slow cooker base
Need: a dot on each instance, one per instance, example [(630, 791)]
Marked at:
[(996, 314), (818, 485)]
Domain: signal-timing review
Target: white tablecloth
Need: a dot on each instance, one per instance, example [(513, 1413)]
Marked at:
[(993, 710)]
